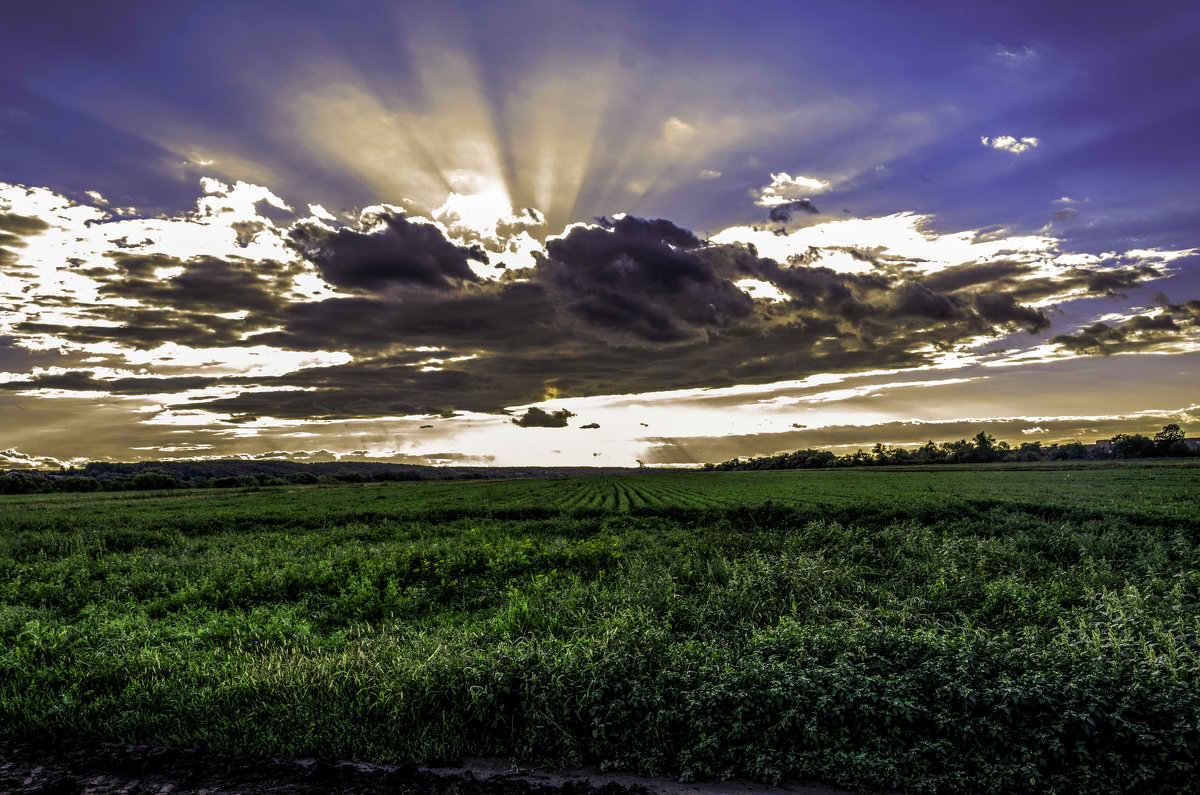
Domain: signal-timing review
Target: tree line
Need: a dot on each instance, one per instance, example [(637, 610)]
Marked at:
[(38, 482), (252, 473), (982, 448)]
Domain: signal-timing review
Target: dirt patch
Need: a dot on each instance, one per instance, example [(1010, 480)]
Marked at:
[(60, 766)]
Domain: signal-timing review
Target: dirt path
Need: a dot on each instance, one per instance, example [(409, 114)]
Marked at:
[(55, 766)]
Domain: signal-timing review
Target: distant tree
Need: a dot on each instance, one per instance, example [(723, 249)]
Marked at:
[(1170, 441), (23, 483), (1073, 450), (928, 453), (76, 483), (879, 453), (154, 479), (959, 452), (1170, 433), (1029, 451), (1136, 445), (985, 446), (859, 458), (820, 458)]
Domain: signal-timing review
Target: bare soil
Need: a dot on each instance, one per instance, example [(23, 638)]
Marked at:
[(60, 766)]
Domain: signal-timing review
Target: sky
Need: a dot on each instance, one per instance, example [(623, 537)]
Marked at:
[(556, 233)]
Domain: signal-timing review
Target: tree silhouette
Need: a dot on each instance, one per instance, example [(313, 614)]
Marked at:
[(1170, 441)]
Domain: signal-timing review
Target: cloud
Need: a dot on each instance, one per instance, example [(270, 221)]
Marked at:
[(782, 213), (1140, 332), (201, 283), (22, 224), (396, 253), (145, 329), (1015, 57), (496, 317), (1002, 309), (537, 418), (1008, 143), (387, 317), (15, 459), (627, 306), (785, 188), (86, 381), (1031, 281), (638, 282)]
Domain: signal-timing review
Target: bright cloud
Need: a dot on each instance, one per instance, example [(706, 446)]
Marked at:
[(901, 236), (785, 188), (1010, 144)]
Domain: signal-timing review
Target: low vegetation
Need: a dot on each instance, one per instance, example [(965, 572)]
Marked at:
[(979, 629), (982, 448)]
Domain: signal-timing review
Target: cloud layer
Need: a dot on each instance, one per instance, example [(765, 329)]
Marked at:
[(226, 317)]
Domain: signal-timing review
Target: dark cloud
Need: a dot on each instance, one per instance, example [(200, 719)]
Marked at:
[(1018, 280), (623, 306), (22, 225), (879, 306), (1112, 281), (782, 213), (246, 230), (14, 227), (185, 308), (569, 332), (86, 381), (659, 229), (1002, 309), (514, 316), (1138, 333), (536, 418), (571, 367), (401, 254), (639, 282), (590, 426), (1189, 311), (205, 284), (1005, 274), (148, 328), (915, 300)]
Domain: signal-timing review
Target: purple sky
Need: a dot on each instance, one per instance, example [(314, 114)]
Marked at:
[(369, 230)]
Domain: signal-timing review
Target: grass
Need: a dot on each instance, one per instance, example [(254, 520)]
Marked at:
[(964, 628)]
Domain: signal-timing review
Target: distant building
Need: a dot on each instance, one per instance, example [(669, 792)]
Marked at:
[(1102, 446)]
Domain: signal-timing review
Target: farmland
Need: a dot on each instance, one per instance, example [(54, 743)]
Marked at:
[(989, 629)]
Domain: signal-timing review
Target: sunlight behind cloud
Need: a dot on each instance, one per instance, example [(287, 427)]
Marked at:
[(531, 147)]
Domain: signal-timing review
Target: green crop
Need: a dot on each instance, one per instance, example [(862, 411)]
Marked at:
[(959, 629)]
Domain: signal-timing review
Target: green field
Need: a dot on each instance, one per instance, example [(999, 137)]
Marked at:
[(989, 629)]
